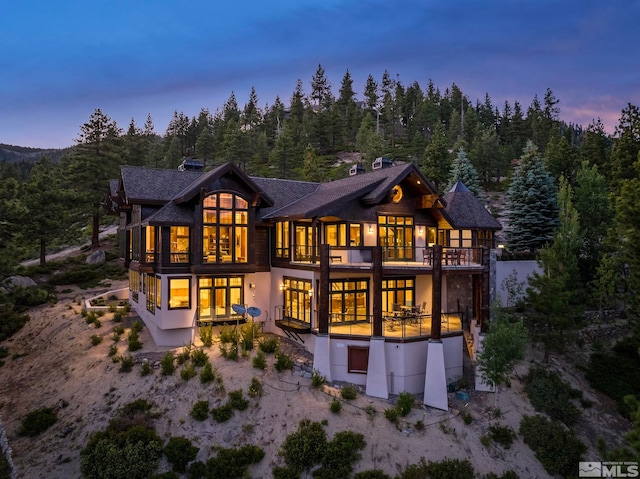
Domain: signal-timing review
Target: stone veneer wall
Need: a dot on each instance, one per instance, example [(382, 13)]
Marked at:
[(6, 452)]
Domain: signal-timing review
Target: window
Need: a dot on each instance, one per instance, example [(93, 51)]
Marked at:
[(150, 283), (297, 302), (217, 295), (150, 244), (348, 300), (460, 238), (485, 238), (395, 235), (343, 234), (304, 242), (134, 284), (225, 217), (179, 293), (158, 291), (400, 292), (358, 359), (282, 239), (179, 244)]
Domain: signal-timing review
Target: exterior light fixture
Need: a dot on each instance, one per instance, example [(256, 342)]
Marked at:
[(370, 229), (281, 287), (252, 285), (421, 231), (310, 292)]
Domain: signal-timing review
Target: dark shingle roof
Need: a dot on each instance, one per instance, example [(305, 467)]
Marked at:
[(283, 192), (154, 185), (466, 211)]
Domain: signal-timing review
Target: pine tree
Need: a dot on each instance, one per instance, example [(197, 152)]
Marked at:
[(463, 170), (12, 212), (436, 162), (532, 211)]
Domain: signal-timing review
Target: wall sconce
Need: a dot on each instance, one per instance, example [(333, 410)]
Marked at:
[(370, 229), (281, 287), (252, 285), (421, 231), (310, 293)]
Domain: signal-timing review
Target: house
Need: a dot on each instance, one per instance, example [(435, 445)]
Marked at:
[(376, 274)]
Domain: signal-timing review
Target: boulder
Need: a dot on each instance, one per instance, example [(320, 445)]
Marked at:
[(97, 257), (13, 282)]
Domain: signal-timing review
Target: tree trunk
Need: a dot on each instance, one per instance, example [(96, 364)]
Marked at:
[(95, 233), (43, 251)]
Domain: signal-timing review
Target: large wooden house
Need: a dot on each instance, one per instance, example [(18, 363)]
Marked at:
[(376, 274)]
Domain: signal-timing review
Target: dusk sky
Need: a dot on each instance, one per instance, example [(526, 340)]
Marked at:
[(60, 60)]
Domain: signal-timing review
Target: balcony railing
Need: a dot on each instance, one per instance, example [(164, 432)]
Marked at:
[(422, 256)]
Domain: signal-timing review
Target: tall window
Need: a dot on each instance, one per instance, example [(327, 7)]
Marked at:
[(225, 217), (460, 238), (134, 284), (304, 242), (343, 234), (158, 291), (297, 301), (179, 244), (395, 235), (179, 293), (397, 292), (485, 238), (348, 300), (150, 286), (216, 296), (150, 244), (282, 239)]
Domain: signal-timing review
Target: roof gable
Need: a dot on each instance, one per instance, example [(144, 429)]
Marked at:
[(466, 211)]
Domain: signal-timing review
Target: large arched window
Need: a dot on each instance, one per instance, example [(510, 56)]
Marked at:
[(225, 217)]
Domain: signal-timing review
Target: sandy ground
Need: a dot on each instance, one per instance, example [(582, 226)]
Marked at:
[(52, 363)]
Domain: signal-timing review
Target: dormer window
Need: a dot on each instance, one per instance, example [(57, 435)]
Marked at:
[(225, 233)]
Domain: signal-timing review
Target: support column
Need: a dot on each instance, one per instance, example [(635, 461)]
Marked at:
[(435, 380), (377, 385), (322, 350)]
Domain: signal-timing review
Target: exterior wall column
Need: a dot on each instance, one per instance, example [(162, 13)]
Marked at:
[(377, 385), (486, 297), (322, 349), (435, 380)]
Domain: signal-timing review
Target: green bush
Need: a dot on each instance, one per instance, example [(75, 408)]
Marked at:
[(206, 335), (349, 392), (260, 361), (548, 393), (269, 344), (392, 413), (304, 448), (187, 372), (222, 413), (335, 406), (255, 389), (87, 276), (137, 326), (445, 469), (200, 410), (95, 340), (280, 472), (341, 453), (503, 435), (119, 330), (180, 452), (113, 350), (249, 333), (371, 474), (505, 475), (283, 361), (233, 463), (97, 323), (11, 323), (145, 369), (236, 401), (317, 379), (230, 352), (228, 335), (118, 316), (557, 448), (167, 364), (207, 374), (90, 317), (126, 364), (405, 403), (199, 357), (183, 356), (37, 421), (134, 340)]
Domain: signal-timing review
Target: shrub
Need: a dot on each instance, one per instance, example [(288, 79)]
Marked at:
[(503, 435), (445, 469), (167, 366), (349, 392), (550, 394), (392, 413), (145, 369), (466, 417), (283, 361), (37, 421), (134, 340), (11, 323), (207, 374), (118, 316), (137, 326), (230, 353), (187, 372), (317, 379), (113, 350), (200, 410), (305, 447), (222, 413), (505, 475), (119, 330), (180, 452), (184, 355), (97, 323), (544, 437), (90, 317), (335, 406), (206, 335), (269, 345), (95, 340), (405, 403), (236, 401), (255, 389), (228, 335), (341, 453), (199, 357), (260, 361), (371, 474), (233, 463), (419, 425), (249, 332), (280, 472), (126, 364)]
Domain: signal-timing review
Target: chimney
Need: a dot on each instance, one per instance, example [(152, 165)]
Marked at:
[(357, 169)]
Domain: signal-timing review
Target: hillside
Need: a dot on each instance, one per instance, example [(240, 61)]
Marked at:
[(52, 363), (14, 154)]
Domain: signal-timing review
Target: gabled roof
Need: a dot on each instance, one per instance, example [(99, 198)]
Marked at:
[(283, 192), (154, 185), (466, 211)]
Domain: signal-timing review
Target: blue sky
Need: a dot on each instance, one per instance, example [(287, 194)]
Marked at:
[(62, 59)]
